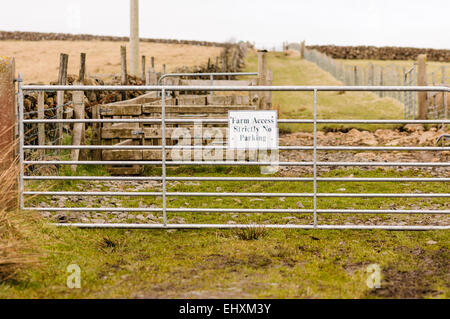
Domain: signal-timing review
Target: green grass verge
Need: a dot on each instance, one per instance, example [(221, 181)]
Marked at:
[(217, 264), (220, 264)]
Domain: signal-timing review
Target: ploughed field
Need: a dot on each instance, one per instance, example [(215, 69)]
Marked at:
[(38, 61)]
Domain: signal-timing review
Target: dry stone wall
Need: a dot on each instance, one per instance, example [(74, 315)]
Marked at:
[(39, 36), (381, 53)]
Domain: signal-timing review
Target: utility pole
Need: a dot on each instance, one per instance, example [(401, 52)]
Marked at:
[(134, 37)]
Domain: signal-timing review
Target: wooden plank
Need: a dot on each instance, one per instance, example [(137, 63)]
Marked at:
[(155, 155), (151, 132), (192, 100), (228, 100), (170, 101), (125, 170), (195, 108), (122, 110), (242, 100), (220, 99), (216, 82), (122, 155), (146, 98)]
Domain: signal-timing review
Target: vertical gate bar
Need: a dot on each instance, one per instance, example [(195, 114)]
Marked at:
[(21, 142), (413, 82), (163, 156), (444, 104), (315, 158), (405, 104), (211, 77)]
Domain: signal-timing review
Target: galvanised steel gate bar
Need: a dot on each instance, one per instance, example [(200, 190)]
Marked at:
[(163, 178), (211, 75)]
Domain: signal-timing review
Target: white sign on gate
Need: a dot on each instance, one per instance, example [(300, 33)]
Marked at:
[(255, 130)]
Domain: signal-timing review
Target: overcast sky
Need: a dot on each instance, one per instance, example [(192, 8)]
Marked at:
[(414, 23)]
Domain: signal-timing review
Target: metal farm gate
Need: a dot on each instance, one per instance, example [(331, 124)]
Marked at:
[(314, 213)]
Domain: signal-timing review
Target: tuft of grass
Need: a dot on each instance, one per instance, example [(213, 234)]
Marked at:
[(250, 233)]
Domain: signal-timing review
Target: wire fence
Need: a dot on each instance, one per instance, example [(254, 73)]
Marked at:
[(389, 75), (50, 132)]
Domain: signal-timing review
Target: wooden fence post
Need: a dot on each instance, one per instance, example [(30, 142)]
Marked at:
[(302, 50), (422, 81), (123, 65), (41, 126), (143, 68), (82, 74), (381, 80), (151, 77), (371, 74), (62, 79), (78, 128), (96, 133), (262, 74), (7, 123), (444, 77), (123, 68), (269, 81)]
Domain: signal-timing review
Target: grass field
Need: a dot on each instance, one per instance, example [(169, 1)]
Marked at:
[(38, 61), (218, 264), (290, 70), (226, 264)]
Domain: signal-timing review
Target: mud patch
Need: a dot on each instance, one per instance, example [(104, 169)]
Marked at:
[(217, 261), (431, 268), (351, 268)]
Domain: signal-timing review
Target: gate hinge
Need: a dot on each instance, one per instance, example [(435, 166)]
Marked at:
[(443, 137)]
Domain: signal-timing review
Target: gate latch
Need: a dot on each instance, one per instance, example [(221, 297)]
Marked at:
[(138, 132)]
